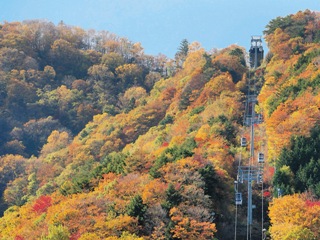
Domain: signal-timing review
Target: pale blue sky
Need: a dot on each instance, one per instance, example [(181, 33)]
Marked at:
[(160, 25)]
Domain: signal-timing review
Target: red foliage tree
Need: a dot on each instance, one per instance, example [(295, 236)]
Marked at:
[(42, 204), (18, 237)]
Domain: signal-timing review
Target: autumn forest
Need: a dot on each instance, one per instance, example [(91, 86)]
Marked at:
[(99, 140)]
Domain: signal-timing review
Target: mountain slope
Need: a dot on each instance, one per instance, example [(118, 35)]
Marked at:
[(159, 158), (169, 156)]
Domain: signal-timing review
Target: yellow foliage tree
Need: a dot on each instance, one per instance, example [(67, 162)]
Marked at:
[(292, 217), (57, 140)]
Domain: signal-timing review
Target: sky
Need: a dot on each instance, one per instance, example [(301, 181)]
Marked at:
[(161, 25)]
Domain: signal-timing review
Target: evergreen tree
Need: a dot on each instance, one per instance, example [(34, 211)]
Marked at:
[(302, 160), (182, 53), (137, 208), (173, 197), (184, 47)]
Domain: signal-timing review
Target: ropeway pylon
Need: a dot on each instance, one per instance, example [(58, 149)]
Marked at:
[(253, 172)]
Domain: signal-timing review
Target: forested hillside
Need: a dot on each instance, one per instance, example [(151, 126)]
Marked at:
[(59, 77), (101, 141), (290, 99)]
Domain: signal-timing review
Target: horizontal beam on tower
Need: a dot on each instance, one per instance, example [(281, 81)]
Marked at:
[(249, 173)]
